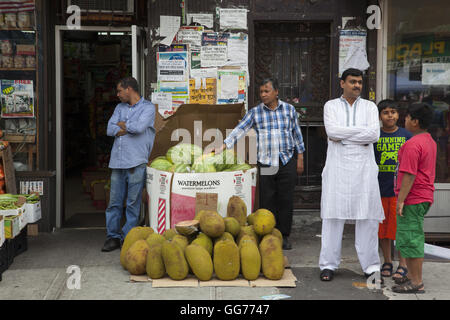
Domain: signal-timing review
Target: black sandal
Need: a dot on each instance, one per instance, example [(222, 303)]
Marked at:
[(326, 275), (387, 266), (408, 287), (403, 271)]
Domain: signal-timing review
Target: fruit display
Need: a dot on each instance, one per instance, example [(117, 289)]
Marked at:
[(189, 158), (208, 246)]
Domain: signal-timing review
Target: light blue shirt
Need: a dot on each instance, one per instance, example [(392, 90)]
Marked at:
[(134, 148)]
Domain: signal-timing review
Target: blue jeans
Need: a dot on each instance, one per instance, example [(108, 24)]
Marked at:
[(127, 183)]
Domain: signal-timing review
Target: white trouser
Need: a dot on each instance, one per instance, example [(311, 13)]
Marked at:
[(366, 244)]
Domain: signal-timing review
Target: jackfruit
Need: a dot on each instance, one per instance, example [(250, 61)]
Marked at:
[(135, 234), (272, 257), (225, 236), (277, 233), (187, 228), (155, 238), (136, 257), (204, 241), (174, 261), (180, 240), (199, 261), (250, 259), (170, 233), (226, 260), (237, 209), (200, 213), (251, 218), (247, 230), (264, 222), (212, 224), (155, 263), (246, 237), (232, 226)]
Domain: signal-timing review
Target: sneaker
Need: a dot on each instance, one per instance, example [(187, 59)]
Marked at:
[(111, 244)]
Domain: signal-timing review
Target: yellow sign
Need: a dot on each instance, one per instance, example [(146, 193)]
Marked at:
[(204, 92)]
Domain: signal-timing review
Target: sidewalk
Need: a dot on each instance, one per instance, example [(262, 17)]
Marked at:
[(40, 272)]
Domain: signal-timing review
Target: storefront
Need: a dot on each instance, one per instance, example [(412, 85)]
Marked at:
[(415, 67), (298, 42)]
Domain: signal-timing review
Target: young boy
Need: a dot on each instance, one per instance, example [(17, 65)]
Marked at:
[(414, 189), (391, 139)]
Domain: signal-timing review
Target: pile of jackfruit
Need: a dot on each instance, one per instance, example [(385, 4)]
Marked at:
[(224, 247)]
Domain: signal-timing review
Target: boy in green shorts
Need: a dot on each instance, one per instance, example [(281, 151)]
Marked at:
[(414, 189)]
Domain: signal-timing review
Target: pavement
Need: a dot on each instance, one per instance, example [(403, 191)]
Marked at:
[(41, 273)]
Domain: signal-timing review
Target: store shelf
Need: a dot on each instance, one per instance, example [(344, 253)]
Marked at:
[(18, 29)]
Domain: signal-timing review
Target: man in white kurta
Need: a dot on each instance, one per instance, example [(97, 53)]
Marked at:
[(350, 190)]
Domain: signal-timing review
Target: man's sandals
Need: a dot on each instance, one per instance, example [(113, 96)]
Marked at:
[(326, 275), (403, 271), (387, 267), (408, 287)]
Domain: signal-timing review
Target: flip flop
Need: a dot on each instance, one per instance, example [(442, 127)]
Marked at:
[(408, 287), (326, 275)]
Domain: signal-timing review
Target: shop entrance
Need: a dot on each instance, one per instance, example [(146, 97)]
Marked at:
[(91, 62), (297, 54)]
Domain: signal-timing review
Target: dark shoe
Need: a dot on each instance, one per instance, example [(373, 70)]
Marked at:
[(387, 267), (112, 244), (326, 275), (286, 244)]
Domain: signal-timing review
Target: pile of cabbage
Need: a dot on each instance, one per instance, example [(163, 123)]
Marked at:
[(189, 158)]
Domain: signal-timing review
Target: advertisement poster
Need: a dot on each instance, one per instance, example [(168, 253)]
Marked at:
[(215, 38), (213, 56), (191, 36), (17, 99), (352, 50), (173, 66), (205, 19), (436, 74), (203, 91), (231, 86), (164, 102)]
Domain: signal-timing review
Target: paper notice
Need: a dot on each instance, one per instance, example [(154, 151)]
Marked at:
[(191, 36), (205, 19), (238, 50), (164, 102), (229, 87), (169, 26), (204, 73), (233, 19), (213, 56), (352, 50), (436, 74)]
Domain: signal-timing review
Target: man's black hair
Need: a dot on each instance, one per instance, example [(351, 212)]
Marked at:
[(351, 72), (422, 112), (273, 81), (129, 82), (387, 103)]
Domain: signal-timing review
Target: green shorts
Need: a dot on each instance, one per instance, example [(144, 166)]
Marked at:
[(410, 236)]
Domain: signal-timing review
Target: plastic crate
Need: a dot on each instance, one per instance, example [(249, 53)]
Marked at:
[(48, 194)]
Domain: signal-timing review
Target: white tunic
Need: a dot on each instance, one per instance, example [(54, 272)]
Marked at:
[(350, 178)]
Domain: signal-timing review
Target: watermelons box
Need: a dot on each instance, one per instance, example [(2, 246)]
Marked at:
[(173, 186)]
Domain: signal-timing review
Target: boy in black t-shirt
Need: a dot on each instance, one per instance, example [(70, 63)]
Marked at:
[(391, 139)]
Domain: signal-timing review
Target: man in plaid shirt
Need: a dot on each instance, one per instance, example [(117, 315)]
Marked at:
[(280, 153)]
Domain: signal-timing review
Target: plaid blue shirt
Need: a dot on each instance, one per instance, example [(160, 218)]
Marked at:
[(278, 133)]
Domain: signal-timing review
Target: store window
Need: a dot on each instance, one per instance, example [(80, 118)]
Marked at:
[(418, 66), (19, 81)]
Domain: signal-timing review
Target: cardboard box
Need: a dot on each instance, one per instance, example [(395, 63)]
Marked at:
[(23, 220), (33, 230), (172, 196), (2, 230), (98, 190), (12, 226), (91, 176), (33, 212), (107, 53)]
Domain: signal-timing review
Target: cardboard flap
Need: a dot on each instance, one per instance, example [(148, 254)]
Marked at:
[(206, 201)]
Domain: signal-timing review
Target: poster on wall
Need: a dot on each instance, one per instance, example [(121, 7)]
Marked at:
[(173, 66), (17, 99), (203, 91), (352, 50), (436, 74), (204, 19), (238, 50), (231, 86), (233, 19), (190, 35)]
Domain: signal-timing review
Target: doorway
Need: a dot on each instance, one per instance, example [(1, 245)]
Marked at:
[(89, 63), (297, 54)]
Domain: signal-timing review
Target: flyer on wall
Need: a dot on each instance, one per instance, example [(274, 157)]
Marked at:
[(17, 99)]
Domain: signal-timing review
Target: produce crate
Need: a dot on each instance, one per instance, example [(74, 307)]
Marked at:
[(27, 181)]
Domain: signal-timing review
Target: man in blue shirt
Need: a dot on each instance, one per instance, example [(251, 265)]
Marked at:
[(280, 153), (132, 125)]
